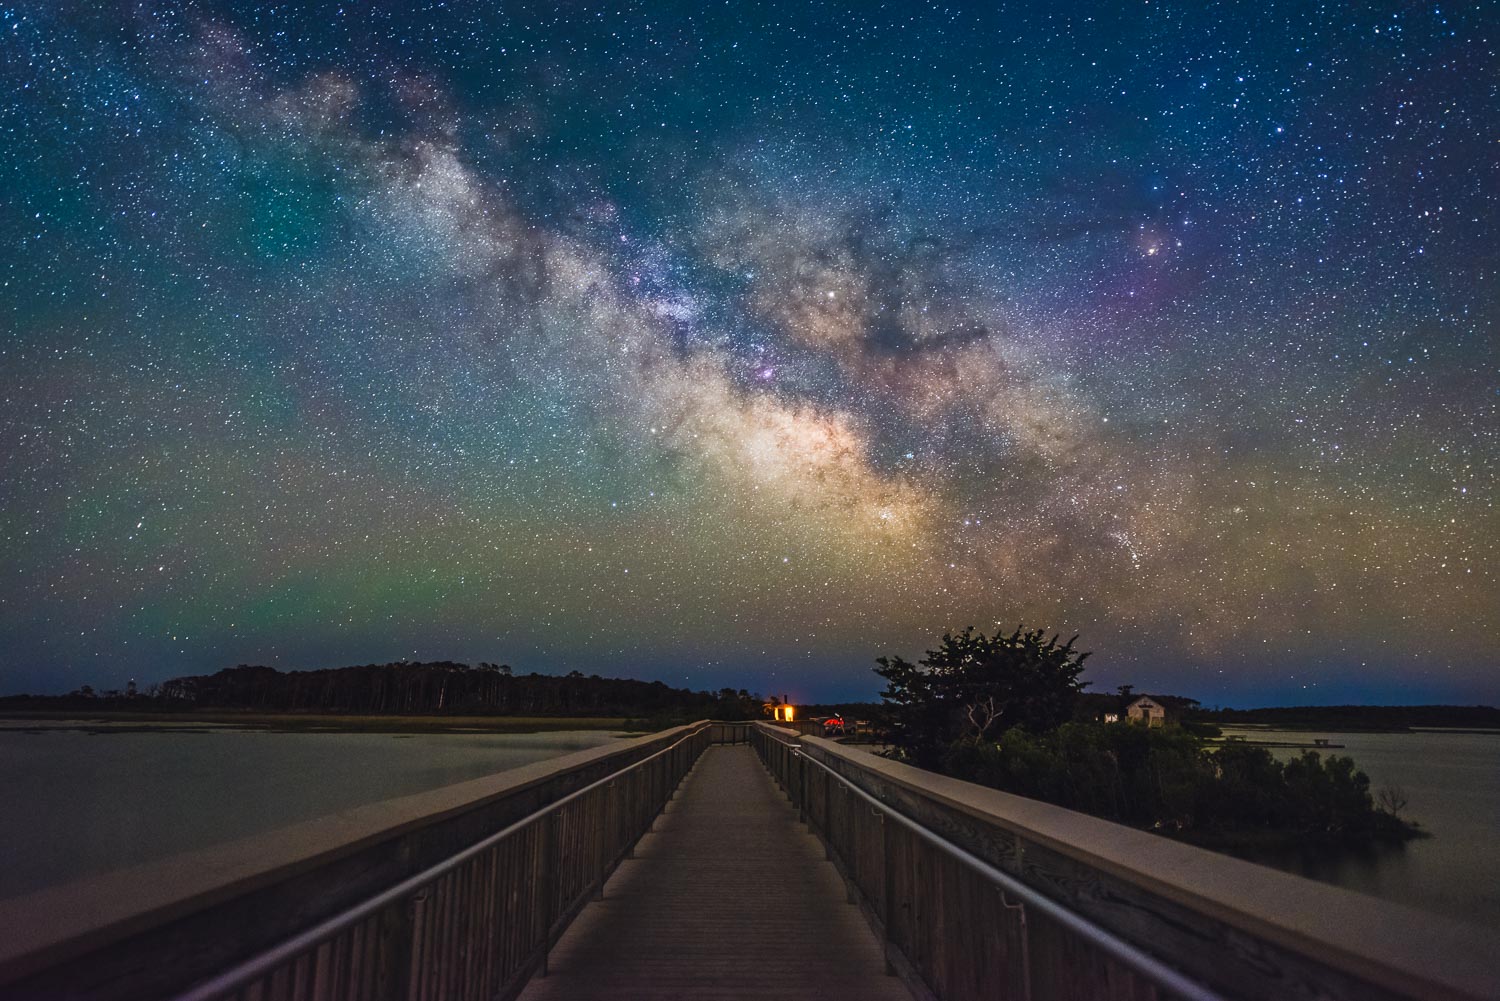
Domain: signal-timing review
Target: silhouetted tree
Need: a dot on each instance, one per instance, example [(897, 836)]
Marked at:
[(977, 686)]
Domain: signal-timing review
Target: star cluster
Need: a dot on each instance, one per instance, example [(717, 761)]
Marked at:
[(736, 344)]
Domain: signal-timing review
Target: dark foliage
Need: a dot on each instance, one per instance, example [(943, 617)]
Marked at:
[(1167, 779), (974, 685), (1008, 712), (441, 687)]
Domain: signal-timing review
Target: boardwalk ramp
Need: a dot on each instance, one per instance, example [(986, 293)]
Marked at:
[(728, 898)]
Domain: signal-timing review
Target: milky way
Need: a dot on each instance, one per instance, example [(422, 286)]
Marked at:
[(738, 345)]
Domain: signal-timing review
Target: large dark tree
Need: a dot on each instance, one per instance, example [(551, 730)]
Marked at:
[(978, 686)]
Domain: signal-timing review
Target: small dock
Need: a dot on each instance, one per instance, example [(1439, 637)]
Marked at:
[(1315, 745), (729, 898)]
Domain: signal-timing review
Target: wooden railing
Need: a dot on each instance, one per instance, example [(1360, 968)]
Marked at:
[(474, 923), (730, 733), (981, 894)]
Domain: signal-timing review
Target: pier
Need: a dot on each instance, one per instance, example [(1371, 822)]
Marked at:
[(730, 898), (719, 861)]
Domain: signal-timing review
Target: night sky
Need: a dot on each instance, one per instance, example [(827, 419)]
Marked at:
[(739, 344)]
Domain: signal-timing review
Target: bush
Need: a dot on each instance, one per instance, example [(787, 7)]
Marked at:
[(1328, 797), (996, 711), (1166, 779)]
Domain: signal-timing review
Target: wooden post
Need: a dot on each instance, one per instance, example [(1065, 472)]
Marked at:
[(392, 952), (1019, 909), (802, 788), (601, 850), (827, 819), (888, 866), (549, 883)]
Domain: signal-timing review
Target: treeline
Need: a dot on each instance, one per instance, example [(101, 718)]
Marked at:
[(1359, 717), (441, 687), (447, 687)]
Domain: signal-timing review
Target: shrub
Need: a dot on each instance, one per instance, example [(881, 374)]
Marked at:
[(1167, 779)]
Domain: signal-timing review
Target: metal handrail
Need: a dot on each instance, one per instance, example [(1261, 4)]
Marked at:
[(257, 966), (1142, 962)]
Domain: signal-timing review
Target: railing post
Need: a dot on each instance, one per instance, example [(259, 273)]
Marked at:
[(1019, 908), (658, 793), (601, 840), (549, 883), (802, 788), (888, 866), (397, 931), (849, 849), (827, 820), (629, 814)]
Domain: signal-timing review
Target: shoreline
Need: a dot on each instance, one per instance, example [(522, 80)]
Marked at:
[(126, 721)]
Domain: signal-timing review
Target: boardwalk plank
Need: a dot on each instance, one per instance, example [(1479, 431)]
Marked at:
[(730, 899)]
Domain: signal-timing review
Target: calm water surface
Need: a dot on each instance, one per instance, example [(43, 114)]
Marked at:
[(1452, 786), (74, 803)]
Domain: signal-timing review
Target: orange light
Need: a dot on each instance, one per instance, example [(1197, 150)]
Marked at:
[(788, 713)]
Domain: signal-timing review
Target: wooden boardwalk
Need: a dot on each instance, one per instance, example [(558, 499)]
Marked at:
[(730, 898)]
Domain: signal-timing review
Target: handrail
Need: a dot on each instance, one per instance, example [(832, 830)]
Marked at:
[(1142, 962), (1229, 926), (256, 967)]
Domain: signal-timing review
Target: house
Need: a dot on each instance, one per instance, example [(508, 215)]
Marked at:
[(1148, 711)]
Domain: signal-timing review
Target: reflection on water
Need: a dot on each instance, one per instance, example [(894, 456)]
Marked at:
[(1452, 784), (1358, 868), (74, 804)]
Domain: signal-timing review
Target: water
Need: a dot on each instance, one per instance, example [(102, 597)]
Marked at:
[(74, 803), (1452, 786)]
